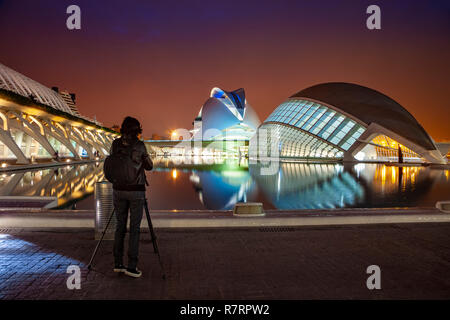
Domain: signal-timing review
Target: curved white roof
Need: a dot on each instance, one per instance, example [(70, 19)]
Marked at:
[(16, 82), (228, 113), (370, 106)]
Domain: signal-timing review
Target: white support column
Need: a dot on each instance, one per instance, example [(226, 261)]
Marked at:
[(8, 188), (61, 137), (6, 138), (34, 131), (87, 147), (90, 138), (102, 139), (27, 146), (374, 129), (8, 141)]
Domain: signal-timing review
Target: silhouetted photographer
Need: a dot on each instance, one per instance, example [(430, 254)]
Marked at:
[(125, 168)]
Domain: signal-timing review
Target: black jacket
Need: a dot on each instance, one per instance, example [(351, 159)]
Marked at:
[(140, 157)]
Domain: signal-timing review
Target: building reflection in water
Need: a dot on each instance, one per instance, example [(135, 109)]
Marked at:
[(397, 186), (316, 186), (309, 186), (221, 190), (224, 182), (220, 183), (69, 184)]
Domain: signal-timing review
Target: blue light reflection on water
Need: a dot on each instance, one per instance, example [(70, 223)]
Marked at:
[(221, 184), (317, 186), (304, 186), (311, 186), (224, 189)]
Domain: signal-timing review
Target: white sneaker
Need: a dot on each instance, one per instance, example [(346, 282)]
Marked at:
[(135, 273), (120, 268)]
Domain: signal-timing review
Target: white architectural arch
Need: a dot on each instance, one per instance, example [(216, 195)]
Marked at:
[(37, 122), (344, 121)]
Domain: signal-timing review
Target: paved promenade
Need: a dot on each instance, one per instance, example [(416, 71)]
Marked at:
[(309, 262)]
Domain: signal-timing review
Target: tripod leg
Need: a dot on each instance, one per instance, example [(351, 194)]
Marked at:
[(150, 229), (98, 243), (152, 233)]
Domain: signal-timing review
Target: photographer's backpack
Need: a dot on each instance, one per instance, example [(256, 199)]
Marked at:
[(119, 167)]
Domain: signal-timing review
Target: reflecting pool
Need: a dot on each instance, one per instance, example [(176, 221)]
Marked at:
[(70, 184), (217, 184)]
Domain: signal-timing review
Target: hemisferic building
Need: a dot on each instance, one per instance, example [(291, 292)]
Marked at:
[(343, 122)]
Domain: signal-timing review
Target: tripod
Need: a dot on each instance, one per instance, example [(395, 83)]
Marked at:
[(152, 234)]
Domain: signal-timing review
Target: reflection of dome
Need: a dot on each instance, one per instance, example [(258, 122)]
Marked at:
[(221, 190), (226, 115), (309, 186), (340, 120), (321, 186)]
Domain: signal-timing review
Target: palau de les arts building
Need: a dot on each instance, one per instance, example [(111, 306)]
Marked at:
[(329, 121), (225, 116)]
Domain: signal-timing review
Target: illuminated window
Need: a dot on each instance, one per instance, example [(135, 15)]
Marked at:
[(318, 120)]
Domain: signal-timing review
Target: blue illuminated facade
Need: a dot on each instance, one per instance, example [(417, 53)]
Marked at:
[(336, 131), (342, 121), (225, 116)]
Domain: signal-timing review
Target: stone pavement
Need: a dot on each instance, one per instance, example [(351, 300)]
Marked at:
[(315, 262)]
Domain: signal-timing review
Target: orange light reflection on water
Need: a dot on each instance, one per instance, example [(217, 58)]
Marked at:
[(387, 179), (174, 174)]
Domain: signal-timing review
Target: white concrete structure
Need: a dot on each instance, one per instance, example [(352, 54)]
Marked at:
[(36, 122), (343, 121), (225, 116)]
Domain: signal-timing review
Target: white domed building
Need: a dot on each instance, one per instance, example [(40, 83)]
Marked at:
[(344, 121), (225, 116)]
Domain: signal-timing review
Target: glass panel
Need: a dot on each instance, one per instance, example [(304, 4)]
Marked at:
[(306, 116), (341, 131), (312, 120), (297, 116), (331, 126), (322, 122), (296, 107), (351, 140)]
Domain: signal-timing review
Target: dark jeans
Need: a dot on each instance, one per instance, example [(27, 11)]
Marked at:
[(124, 201)]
